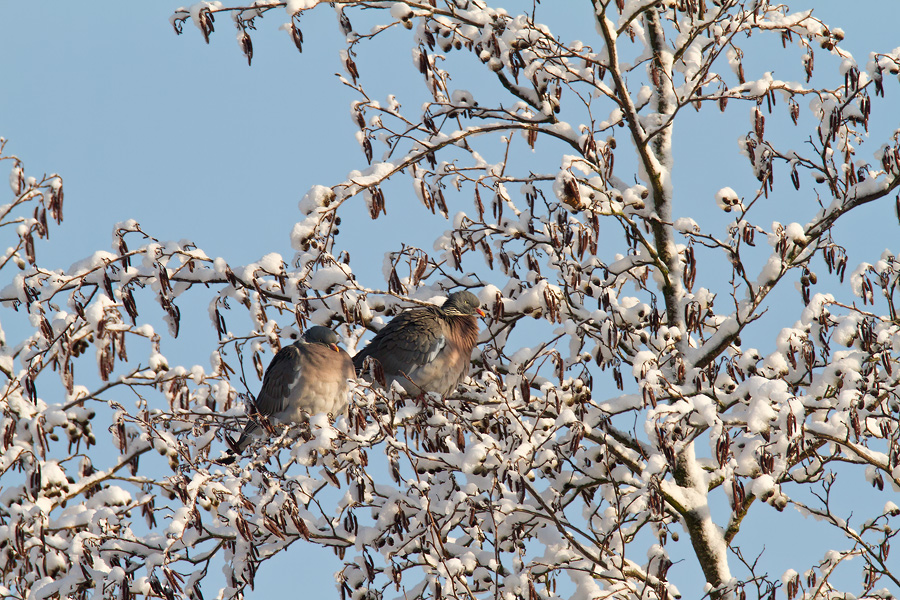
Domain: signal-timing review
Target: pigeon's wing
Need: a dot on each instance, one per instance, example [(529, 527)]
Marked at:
[(410, 340), (282, 374)]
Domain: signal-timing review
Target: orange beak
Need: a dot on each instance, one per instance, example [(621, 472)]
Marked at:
[(481, 312), (334, 347)]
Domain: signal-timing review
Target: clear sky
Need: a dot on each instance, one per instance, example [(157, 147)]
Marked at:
[(192, 143)]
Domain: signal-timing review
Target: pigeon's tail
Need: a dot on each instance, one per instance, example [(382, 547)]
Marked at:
[(234, 451), (227, 458), (236, 447)]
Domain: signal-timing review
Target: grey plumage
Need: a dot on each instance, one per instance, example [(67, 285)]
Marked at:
[(427, 349), (306, 378)]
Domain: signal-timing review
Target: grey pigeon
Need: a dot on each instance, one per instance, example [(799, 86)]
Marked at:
[(306, 378), (426, 349)]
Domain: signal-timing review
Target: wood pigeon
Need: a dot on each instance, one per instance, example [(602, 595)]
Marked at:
[(306, 378), (426, 349)]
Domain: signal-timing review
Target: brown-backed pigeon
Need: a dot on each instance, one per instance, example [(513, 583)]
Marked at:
[(427, 349), (306, 378)]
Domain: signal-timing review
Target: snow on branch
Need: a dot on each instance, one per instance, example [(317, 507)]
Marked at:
[(628, 382)]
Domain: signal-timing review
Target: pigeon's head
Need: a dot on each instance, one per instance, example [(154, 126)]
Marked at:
[(321, 335), (463, 303)]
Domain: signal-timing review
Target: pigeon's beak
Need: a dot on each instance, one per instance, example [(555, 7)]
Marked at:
[(481, 313), (334, 347)]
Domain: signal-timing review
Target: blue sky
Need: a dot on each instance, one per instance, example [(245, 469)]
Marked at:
[(192, 143)]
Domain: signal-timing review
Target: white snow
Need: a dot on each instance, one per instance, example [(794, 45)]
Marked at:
[(294, 6)]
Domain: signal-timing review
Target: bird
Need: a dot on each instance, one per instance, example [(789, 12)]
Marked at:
[(427, 349), (308, 377)]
